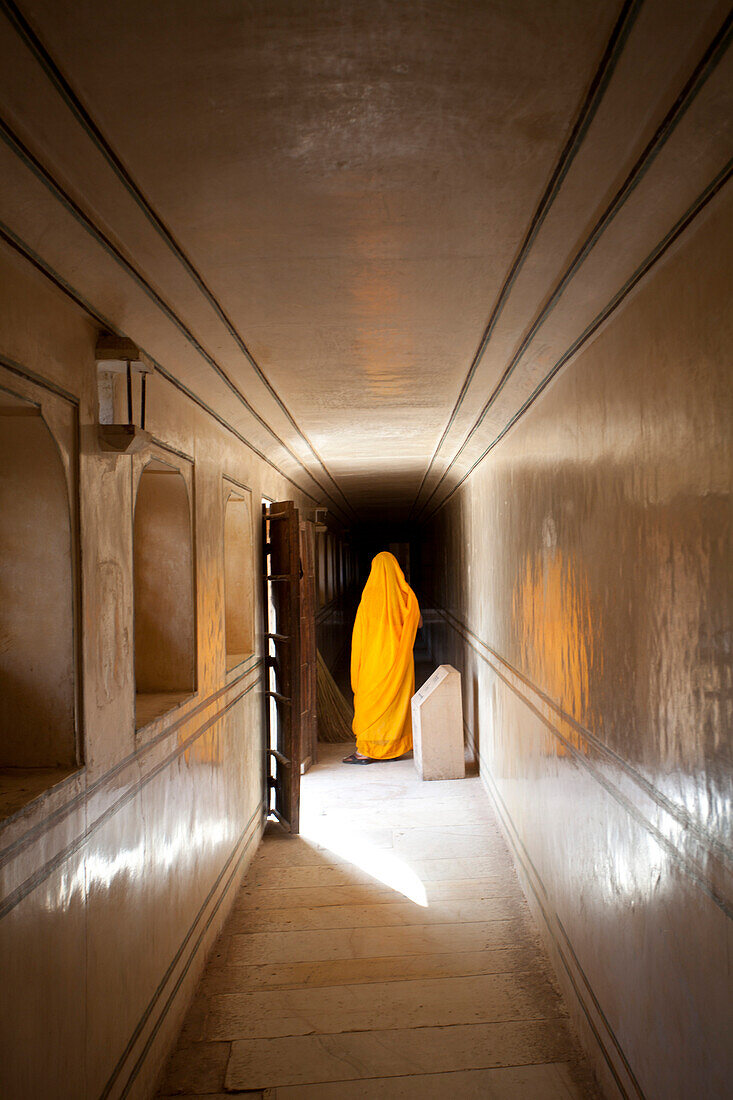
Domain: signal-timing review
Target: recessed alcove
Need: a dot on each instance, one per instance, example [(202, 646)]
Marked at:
[(165, 620), (238, 576), (38, 745)]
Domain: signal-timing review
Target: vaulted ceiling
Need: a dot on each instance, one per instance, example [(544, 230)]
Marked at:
[(366, 235)]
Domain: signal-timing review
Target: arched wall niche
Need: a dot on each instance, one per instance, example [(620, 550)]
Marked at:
[(239, 572), (164, 588), (38, 727)]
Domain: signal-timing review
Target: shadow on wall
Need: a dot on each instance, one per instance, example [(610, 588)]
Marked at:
[(164, 592), (37, 723)]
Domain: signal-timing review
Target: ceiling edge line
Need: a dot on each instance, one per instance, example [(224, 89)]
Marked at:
[(589, 107), (705, 67), (13, 141), (85, 119), (44, 268), (652, 258)]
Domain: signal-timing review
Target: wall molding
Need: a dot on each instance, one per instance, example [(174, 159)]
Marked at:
[(11, 850), (38, 380), (601, 1031), (589, 107), (698, 869), (329, 611), (231, 867), (714, 187), (82, 218), (32, 882), (23, 249), (705, 67), (83, 117)]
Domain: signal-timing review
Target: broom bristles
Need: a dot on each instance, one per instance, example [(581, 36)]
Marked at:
[(334, 713)]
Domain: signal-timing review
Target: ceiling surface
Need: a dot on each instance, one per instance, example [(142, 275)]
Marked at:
[(365, 235)]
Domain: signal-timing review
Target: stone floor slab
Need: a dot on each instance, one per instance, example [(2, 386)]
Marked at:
[(299, 1060), (542, 1082), (284, 897), (385, 914), (234, 979), (418, 1003), (415, 939)]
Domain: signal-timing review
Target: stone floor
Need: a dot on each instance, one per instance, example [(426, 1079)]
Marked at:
[(385, 953)]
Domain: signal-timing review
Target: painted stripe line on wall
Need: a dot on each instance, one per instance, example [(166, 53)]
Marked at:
[(683, 818), (31, 836), (23, 249), (170, 969), (93, 131), (44, 383), (686, 864), (151, 1038), (34, 881), (706, 66), (552, 921), (44, 175), (592, 101), (701, 202)]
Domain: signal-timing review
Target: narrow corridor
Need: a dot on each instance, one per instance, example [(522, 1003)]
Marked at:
[(386, 952), (283, 287)]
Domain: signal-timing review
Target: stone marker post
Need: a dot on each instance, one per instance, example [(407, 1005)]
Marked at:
[(437, 726)]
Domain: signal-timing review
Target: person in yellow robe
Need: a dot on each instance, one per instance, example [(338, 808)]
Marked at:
[(382, 665)]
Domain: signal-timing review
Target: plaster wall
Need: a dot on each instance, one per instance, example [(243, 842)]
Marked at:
[(36, 595), (165, 623), (115, 881), (582, 579), (239, 577)]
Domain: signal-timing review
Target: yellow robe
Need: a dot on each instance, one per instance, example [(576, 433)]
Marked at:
[(382, 665)]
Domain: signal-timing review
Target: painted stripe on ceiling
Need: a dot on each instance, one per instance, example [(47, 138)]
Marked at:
[(706, 66), (37, 379), (15, 143), (85, 120), (588, 110), (656, 254), (22, 248)]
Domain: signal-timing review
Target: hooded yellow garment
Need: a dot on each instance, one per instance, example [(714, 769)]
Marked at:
[(382, 666)]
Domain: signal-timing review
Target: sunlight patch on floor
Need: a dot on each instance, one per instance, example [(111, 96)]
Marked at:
[(381, 863)]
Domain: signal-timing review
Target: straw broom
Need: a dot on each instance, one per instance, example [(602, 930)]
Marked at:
[(334, 713)]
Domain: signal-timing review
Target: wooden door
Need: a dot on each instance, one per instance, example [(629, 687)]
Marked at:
[(308, 666), (281, 546)]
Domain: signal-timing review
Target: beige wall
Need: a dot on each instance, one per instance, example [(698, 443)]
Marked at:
[(583, 572), (114, 883), (37, 727), (165, 620), (239, 574)]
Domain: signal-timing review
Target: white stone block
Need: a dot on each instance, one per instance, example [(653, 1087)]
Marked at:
[(437, 726)]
